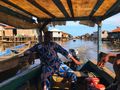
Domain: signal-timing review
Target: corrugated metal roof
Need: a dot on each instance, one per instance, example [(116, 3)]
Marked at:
[(8, 27), (116, 30)]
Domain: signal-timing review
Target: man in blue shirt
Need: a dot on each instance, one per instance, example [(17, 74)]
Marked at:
[(47, 52)]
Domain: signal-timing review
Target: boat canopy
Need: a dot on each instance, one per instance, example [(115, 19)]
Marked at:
[(22, 13)]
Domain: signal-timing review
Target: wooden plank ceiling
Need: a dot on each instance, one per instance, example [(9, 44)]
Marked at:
[(20, 13)]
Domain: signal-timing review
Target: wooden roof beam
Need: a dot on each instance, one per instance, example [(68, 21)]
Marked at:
[(33, 2), (61, 7), (98, 4), (115, 8), (111, 14), (116, 5), (70, 19), (17, 7), (15, 14), (16, 22), (70, 7)]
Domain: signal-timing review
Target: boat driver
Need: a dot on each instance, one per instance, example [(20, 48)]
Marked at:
[(47, 51)]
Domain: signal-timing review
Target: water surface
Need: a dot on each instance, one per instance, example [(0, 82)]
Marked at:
[(87, 50)]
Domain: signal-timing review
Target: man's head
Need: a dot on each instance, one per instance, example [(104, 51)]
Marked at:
[(47, 36)]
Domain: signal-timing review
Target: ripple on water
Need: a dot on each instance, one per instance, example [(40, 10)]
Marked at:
[(88, 49)]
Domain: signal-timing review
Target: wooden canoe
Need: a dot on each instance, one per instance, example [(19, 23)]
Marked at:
[(9, 64)]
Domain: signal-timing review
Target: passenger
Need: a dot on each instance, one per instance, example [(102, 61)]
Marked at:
[(51, 63), (116, 66)]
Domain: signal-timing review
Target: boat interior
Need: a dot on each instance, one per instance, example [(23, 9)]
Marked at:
[(28, 14)]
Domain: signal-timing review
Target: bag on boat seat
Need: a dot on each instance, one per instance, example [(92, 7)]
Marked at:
[(57, 78), (60, 82)]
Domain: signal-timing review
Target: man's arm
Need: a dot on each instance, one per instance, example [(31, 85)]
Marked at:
[(27, 52), (74, 60), (64, 52), (110, 57), (30, 50)]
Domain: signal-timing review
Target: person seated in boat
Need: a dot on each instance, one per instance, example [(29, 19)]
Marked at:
[(116, 66), (51, 63)]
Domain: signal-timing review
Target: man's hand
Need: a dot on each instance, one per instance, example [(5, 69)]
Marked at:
[(28, 52), (74, 60), (78, 63), (102, 62), (21, 55)]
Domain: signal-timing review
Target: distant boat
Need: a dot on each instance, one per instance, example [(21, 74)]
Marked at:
[(117, 50), (74, 40)]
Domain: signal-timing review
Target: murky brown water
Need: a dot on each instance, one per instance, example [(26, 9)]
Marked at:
[(86, 49), (3, 46)]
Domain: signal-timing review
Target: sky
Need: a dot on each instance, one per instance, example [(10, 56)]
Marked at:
[(76, 29)]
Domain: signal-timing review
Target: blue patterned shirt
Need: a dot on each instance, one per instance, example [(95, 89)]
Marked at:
[(48, 53)]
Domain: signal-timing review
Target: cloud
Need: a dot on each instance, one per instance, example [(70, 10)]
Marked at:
[(72, 23), (114, 20)]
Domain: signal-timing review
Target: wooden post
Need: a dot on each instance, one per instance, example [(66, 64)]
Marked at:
[(14, 33), (40, 36), (2, 34), (99, 39)]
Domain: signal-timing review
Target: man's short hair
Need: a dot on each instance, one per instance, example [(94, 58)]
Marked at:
[(48, 33), (47, 36)]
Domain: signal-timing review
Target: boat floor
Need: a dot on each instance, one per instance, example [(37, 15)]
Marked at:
[(81, 85), (60, 83)]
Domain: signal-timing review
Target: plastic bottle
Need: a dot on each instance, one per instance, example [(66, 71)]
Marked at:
[(93, 84)]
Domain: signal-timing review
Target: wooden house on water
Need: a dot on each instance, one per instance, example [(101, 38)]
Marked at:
[(9, 34), (59, 35), (114, 35)]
